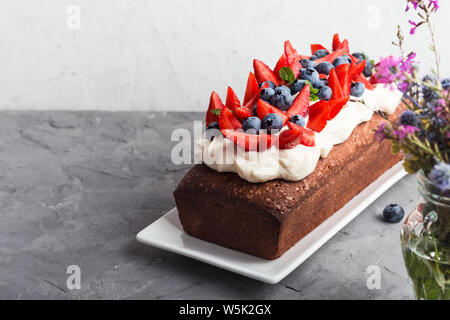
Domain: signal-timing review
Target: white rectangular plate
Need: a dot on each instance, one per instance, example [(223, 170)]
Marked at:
[(167, 233)]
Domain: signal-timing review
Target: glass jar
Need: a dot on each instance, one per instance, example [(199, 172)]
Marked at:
[(425, 238)]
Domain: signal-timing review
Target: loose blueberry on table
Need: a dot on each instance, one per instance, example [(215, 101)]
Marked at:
[(393, 213)]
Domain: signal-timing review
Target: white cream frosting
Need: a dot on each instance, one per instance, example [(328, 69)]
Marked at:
[(295, 164)]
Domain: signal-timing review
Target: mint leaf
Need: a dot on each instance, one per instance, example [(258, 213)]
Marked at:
[(287, 75), (312, 89), (313, 97), (215, 111)]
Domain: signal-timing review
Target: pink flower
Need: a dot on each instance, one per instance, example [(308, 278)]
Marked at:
[(391, 69), (413, 29), (403, 131), (414, 3), (435, 4)]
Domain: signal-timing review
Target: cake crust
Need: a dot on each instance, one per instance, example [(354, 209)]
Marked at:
[(266, 219)]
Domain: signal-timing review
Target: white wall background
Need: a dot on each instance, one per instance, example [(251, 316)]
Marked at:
[(169, 55)]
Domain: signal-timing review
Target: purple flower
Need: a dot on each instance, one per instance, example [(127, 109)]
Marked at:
[(403, 86), (403, 131), (392, 69), (379, 133)]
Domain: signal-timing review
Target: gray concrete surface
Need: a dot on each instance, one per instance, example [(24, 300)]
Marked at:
[(76, 187)]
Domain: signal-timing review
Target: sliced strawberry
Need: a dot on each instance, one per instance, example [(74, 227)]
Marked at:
[(354, 60), (336, 106), (373, 80), (315, 47), (363, 79), (214, 103), (242, 113), (336, 42), (250, 142), (282, 62), (295, 66), (323, 76), (290, 53), (342, 72), (263, 72), (330, 57), (232, 101), (344, 46), (252, 88), (227, 121), (308, 137), (251, 103), (356, 70), (301, 103), (333, 83), (264, 108), (296, 135), (289, 139), (318, 115)]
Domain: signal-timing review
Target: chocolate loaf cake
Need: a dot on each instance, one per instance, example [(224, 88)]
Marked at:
[(266, 219)]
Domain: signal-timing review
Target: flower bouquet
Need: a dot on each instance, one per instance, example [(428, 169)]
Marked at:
[(422, 135)]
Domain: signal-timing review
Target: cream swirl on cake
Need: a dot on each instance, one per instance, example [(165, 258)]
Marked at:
[(295, 164)]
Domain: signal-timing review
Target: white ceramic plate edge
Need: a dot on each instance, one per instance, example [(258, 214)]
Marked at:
[(166, 233)]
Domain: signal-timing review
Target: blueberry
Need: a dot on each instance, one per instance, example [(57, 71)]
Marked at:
[(348, 58), (409, 118), (324, 93), (213, 130), (321, 53), (272, 123), (282, 99), (446, 83), (297, 86), (251, 125), (310, 74), (321, 83), (358, 55), (270, 83), (282, 89), (267, 93), (368, 69), (341, 60), (357, 89), (393, 213), (298, 119), (313, 57), (254, 109), (324, 67), (308, 63)]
